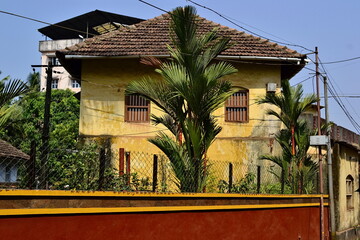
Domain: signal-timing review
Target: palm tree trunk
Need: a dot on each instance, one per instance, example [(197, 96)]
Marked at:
[(293, 140), (180, 137), (282, 181)]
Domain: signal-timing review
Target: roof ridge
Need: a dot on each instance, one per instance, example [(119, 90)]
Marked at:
[(101, 37), (150, 37)]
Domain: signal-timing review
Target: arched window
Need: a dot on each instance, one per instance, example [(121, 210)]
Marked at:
[(349, 192), (237, 107)]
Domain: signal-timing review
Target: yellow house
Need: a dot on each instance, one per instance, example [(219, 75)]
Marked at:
[(346, 166), (106, 64)]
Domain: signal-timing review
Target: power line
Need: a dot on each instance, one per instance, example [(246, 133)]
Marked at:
[(50, 24), (345, 96), (79, 31), (338, 88), (229, 20), (339, 101), (284, 61), (303, 81), (340, 61)]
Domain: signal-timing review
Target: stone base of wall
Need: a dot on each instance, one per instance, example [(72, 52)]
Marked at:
[(349, 234)]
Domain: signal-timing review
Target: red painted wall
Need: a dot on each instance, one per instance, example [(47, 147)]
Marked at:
[(276, 224)]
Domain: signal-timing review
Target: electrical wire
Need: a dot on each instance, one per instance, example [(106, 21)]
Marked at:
[(50, 24), (259, 50), (79, 31), (340, 90), (345, 96), (341, 61), (332, 89), (339, 101), (303, 81), (245, 29)]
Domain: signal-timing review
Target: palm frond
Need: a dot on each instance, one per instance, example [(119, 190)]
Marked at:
[(12, 89)]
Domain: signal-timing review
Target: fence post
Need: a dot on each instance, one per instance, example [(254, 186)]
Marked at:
[(121, 161), (101, 168), (127, 155), (155, 173), (258, 178), (31, 166), (230, 176)]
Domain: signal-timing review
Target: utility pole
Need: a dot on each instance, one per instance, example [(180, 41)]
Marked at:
[(44, 149), (329, 162), (320, 157)]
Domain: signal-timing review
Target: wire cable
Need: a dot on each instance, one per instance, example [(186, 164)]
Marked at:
[(340, 90), (303, 81), (339, 101), (245, 29), (341, 61), (259, 50), (50, 24)]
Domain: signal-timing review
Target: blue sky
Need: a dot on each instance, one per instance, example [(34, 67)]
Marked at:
[(331, 25)]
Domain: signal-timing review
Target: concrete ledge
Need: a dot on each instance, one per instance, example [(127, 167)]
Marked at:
[(349, 234)]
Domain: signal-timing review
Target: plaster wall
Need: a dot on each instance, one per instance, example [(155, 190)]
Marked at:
[(346, 163), (47, 49), (103, 108)]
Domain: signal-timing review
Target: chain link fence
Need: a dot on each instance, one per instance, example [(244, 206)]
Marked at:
[(92, 168)]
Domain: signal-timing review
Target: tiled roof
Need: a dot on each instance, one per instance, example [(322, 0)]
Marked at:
[(9, 151), (150, 37)]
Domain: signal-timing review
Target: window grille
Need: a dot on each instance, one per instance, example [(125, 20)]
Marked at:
[(237, 107), (349, 192), (54, 83), (137, 109), (54, 61), (75, 84)]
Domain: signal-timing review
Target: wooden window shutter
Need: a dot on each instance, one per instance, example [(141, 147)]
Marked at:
[(237, 107), (137, 109)]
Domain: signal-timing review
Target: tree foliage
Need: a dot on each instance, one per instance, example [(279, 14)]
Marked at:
[(10, 89), (189, 91), (33, 81), (298, 169), (64, 121)]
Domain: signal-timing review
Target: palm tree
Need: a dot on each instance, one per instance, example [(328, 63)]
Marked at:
[(33, 81), (291, 104), (9, 89), (297, 166), (189, 91)]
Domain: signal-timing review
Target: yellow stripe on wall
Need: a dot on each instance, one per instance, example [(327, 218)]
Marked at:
[(63, 193), (51, 211)]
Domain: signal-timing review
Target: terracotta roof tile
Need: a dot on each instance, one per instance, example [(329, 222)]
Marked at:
[(9, 151), (151, 37)]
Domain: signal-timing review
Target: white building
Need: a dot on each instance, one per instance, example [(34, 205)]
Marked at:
[(70, 32)]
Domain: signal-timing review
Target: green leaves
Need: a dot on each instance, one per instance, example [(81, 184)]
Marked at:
[(189, 91), (298, 168), (11, 89)]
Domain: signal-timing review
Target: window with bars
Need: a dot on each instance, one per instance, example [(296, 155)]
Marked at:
[(137, 109), (349, 192), (237, 107), (74, 84), (54, 61), (54, 83)]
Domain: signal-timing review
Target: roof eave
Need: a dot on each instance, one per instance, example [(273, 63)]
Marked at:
[(298, 60), (113, 57), (287, 70)]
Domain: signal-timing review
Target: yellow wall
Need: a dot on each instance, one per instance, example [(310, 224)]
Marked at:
[(346, 162), (102, 110)]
